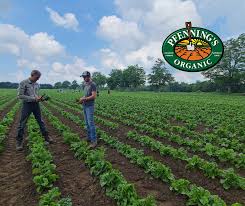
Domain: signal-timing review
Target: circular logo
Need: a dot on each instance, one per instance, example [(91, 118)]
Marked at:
[(192, 49)]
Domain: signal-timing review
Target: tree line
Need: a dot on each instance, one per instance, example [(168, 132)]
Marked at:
[(10, 85), (226, 76)]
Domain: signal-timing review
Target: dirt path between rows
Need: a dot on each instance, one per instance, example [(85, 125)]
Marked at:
[(16, 185), (75, 180)]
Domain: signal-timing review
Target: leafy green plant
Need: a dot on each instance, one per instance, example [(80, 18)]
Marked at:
[(111, 179), (5, 124), (181, 186), (230, 179), (52, 198), (43, 169)]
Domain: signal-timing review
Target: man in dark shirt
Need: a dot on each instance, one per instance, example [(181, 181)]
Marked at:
[(28, 93), (87, 101)]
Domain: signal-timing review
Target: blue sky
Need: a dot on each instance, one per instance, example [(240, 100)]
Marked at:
[(63, 38)]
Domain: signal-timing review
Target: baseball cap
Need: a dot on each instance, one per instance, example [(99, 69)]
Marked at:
[(86, 74)]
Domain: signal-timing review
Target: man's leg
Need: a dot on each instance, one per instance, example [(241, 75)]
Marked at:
[(90, 116), (25, 113), (38, 116), (85, 108)]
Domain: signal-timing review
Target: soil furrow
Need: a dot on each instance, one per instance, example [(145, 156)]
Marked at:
[(75, 180), (196, 176), (16, 185)]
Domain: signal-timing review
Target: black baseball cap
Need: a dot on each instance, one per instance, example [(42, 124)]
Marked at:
[(86, 74)]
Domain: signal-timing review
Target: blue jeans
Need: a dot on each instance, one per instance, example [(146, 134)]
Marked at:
[(89, 120)]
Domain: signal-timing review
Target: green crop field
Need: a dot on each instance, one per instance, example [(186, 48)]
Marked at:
[(154, 149)]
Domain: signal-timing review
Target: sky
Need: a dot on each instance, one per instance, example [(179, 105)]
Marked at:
[(66, 37)]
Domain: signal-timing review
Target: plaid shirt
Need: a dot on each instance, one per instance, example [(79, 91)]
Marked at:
[(28, 91)]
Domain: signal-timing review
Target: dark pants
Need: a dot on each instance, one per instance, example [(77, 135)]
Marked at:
[(27, 109)]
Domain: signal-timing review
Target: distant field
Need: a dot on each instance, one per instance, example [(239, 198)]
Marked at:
[(156, 149)]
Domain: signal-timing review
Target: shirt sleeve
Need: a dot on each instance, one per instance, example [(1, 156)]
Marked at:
[(37, 90), (21, 93), (93, 88)]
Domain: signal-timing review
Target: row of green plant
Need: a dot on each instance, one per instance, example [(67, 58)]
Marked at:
[(3, 99), (144, 112), (228, 178), (166, 111), (5, 103), (77, 119), (43, 169), (5, 124), (219, 137), (111, 179), (223, 154), (78, 109), (192, 110), (197, 195)]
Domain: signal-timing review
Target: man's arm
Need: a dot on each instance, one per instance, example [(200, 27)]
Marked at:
[(93, 96), (94, 93), (21, 94)]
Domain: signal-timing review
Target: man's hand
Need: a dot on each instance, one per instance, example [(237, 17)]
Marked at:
[(82, 100), (38, 99)]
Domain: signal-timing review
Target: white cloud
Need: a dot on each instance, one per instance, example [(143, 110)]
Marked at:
[(110, 59), (44, 45), (120, 33), (225, 16), (136, 37), (40, 45), (24, 63), (133, 10), (189, 77), (39, 51), (9, 48), (68, 21), (19, 75), (12, 39), (146, 55), (70, 72)]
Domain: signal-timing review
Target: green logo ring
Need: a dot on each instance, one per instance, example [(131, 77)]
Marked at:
[(202, 52)]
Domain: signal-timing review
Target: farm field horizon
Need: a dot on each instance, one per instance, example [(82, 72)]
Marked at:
[(153, 148)]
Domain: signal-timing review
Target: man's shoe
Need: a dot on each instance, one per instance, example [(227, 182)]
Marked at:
[(48, 140), (93, 144), (19, 145)]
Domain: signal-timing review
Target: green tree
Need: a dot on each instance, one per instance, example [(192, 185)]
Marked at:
[(74, 85), (99, 79), (58, 85), (66, 84), (229, 73), (115, 78), (133, 76), (160, 76)]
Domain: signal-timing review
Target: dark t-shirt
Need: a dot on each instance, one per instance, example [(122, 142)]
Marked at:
[(88, 88)]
